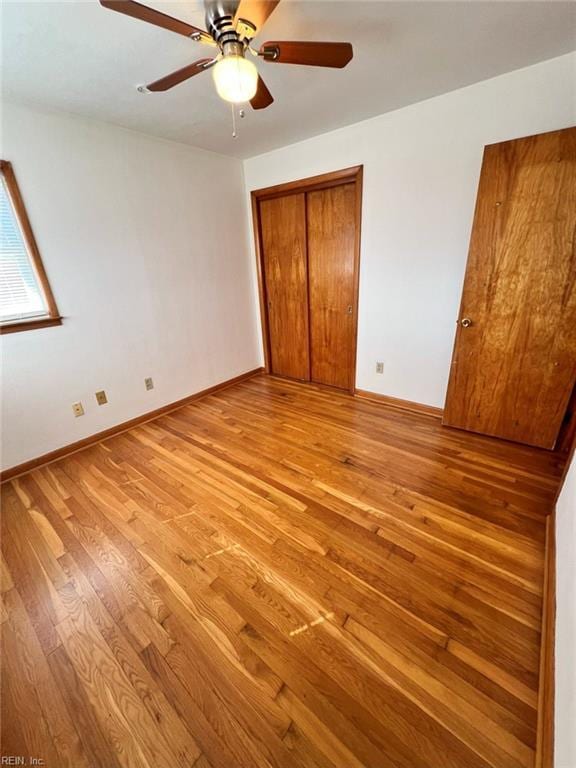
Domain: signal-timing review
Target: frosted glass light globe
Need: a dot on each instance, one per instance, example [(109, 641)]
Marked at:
[(236, 79)]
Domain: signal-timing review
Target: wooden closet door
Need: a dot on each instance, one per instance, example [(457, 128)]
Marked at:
[(514, 362), (331, 217), (283, 233)]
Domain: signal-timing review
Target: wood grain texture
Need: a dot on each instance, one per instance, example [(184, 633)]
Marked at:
[(79, 445), (331, 221), (255, 11), (322, 181), (514, 368), (339, 245), (311, 54), (283, 227), (53, 316), (152, 16), (403, 405), (546, 693), (179, 76), (30, 325), (567, 434), (277, 575), (262, 98)]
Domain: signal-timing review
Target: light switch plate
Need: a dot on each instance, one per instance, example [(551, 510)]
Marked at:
[(78, 409)]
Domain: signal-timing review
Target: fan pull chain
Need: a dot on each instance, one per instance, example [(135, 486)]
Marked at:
[(241, 113)]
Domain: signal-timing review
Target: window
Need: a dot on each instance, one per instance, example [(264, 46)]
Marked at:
[(26, 300)]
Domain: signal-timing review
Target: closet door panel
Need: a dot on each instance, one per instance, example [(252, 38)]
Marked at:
[(283, 234), (331, 220)]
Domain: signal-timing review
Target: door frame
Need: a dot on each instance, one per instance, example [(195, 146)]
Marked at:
[(352, 175)]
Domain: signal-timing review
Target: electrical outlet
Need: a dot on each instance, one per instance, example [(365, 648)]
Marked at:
[(101, 398), (379, 367), (78, 409), (148, 383)]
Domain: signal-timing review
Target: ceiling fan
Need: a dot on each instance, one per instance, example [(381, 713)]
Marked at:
[(231, 27)]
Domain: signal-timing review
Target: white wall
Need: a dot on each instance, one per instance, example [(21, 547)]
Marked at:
[(421, 169), (145, 245), (565, 703)]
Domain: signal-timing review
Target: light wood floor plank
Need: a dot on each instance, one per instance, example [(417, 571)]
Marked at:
[(278, 575)]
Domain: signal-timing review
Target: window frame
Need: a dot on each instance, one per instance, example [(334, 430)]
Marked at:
[(53, 317)]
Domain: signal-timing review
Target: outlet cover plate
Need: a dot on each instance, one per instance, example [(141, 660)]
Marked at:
[(101, 398), (379, 367), (149, 383)]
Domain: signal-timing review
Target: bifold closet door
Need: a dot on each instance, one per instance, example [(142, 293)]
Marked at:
[(514, 364), (283, 233), (331, 224)]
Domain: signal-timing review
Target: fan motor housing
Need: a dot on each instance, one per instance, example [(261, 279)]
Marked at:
[(220, 20)]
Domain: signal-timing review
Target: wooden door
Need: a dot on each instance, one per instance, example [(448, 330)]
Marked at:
[(283, 234), (514, 365), (331, 218)]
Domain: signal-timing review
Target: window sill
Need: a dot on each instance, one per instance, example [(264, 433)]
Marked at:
[(29, 325)]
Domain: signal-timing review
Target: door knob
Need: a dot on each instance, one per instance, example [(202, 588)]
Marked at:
[(465, 322)]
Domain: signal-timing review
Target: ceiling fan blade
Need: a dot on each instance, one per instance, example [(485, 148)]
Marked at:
[(159, 19), (263, 97), (312, 54), (255, 11), (165, 83)]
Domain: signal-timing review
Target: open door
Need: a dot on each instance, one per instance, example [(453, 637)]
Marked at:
[(514, 361)]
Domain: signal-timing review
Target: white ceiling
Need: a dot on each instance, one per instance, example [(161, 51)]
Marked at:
[(78, 57)]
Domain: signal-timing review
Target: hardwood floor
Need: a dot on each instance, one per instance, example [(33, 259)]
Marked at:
[(277, 575)]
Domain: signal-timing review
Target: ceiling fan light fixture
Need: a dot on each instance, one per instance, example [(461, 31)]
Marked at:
[(232, 25), (235, 78)]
